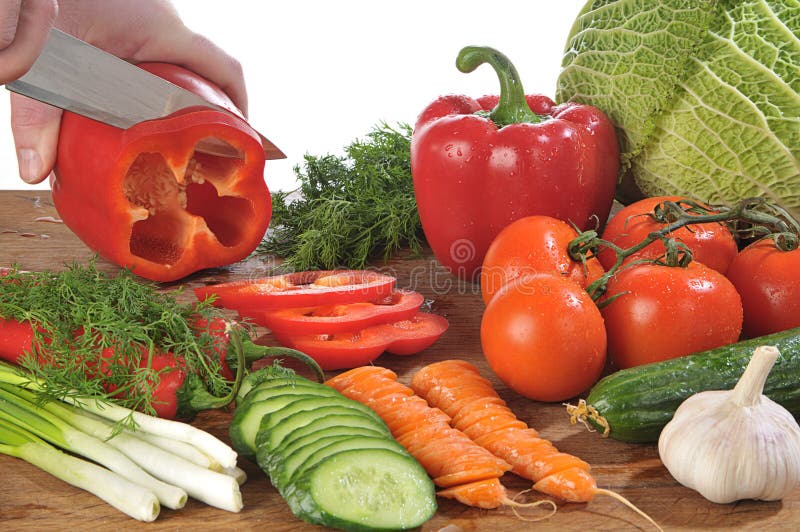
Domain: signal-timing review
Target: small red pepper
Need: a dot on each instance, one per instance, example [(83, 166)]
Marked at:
[(179, 393), (478, 165), (143, 198)]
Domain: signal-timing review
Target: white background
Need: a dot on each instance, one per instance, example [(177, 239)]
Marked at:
[(321, 73)]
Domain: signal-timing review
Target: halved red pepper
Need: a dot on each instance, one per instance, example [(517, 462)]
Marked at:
[(331, 319), (144, 198), (300, 289), (478, 165), (352, 349)]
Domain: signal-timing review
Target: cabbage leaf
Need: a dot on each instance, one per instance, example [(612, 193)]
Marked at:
[(704, 93)]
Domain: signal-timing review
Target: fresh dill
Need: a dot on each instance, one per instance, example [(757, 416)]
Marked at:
[(101, 336), (348, 210)]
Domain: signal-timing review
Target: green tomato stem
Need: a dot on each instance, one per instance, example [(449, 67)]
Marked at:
[(775, 223)]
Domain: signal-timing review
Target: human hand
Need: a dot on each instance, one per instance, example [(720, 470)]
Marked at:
[(145, 30), (24, 25)]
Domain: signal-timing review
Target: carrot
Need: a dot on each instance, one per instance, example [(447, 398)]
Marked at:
[(458, 389), (467, 472)]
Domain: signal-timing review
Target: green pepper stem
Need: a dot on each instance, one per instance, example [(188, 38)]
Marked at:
[(513, 107)]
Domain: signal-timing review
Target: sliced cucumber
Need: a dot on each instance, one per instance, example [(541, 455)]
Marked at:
[(312, 403), (308, 422), (262, 392), (247, 418), (281, 467), (365, 489), (347, 444), (275, 434)]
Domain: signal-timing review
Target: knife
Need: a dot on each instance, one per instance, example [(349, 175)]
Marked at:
[(73, 75)]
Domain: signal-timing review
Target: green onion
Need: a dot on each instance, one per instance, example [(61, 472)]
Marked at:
[(132, 499), (145, 470)]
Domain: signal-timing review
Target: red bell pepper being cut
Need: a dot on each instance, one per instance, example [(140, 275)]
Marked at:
[(143, 198), (478, 165)]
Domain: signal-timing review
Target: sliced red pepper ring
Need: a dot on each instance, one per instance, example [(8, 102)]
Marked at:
[(300, 289), (349, 350), (332, 319)]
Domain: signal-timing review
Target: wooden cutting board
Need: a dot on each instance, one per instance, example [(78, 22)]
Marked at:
[(32, 238)]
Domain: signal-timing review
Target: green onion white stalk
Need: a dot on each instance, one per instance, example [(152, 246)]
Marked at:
[(203, 441), (132, 499), (145, 469), (17, 406)]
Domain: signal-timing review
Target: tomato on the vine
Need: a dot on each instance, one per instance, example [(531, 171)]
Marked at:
[(768, 279), (711, 243), (660, 312), (534, 244), (543, 336)]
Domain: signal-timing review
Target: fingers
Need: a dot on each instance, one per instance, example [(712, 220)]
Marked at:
[(9, 16), (35, 128), (24, 26), (205, 58)]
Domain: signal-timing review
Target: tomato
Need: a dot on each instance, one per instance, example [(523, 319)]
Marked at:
[(352, 349), (301, 289), (534, 244), (543, 336), (661, 312), (710, 243), (768, 279), (400, 305)]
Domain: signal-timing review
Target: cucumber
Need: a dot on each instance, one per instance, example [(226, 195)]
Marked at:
[(635, 404), (365, 489), (313, 403), (282, 468), (346, 444), (304, 423), (266, 392), (332, 458), (247, 418)]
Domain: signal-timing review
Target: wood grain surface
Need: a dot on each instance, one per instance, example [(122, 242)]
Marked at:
[(32, 238)]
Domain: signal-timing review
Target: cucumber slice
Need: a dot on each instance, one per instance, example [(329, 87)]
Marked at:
[(247, 418), (261, 392), (373, 489), (348, 405), (348, 444), (258, 379), (275, 436), (309, 422), (281, 466)]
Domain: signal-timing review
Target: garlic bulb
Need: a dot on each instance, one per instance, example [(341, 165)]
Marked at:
[(735, 444)]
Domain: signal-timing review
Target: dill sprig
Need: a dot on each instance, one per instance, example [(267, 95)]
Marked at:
[(349, 209), (101, 336)]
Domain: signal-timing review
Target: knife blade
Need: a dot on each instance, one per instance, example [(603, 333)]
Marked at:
[(78, 77)]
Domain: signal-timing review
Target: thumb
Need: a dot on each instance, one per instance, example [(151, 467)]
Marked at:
[(35, 128)]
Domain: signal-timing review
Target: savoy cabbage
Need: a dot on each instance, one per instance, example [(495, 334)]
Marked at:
[(704, 93)]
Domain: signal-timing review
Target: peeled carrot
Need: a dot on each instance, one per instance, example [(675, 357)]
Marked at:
[(458, 389), (467, 472)]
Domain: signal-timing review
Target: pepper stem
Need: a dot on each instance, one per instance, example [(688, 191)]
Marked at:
[(513, 107)]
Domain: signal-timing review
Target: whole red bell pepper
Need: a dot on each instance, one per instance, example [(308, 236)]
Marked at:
[(143, 198), (478, 165)]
